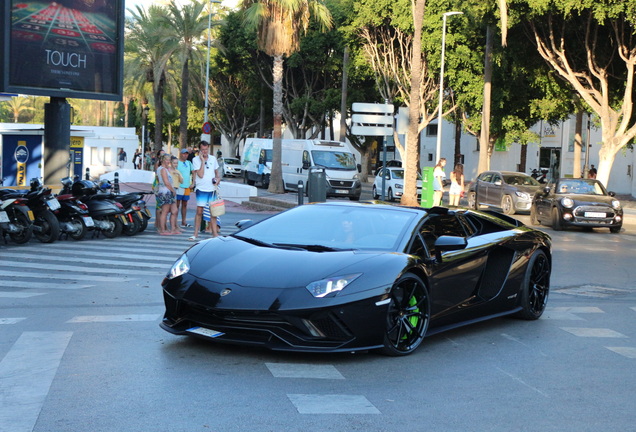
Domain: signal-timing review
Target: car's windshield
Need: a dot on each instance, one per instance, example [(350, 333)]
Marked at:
[(334, 159), (397, 173), (580, 187), (520, 180), (231, 161), (333, 227)]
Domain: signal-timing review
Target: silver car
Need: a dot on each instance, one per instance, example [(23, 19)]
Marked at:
[(509, 191)]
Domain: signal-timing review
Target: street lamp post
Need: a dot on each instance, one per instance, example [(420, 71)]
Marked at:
[(207, 68), (438, 148)]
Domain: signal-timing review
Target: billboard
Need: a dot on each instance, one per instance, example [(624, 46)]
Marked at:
[(63, 48)]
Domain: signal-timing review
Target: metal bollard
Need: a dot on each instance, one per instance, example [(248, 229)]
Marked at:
[(301, 192), (87, 176), (116, 181)]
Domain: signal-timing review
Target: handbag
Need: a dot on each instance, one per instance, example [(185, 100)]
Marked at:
[(217, 207)]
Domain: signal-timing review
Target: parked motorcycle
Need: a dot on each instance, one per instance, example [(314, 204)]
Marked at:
[(16, 219), (134, 205), (108, 216), (73, 217), (42, 203)]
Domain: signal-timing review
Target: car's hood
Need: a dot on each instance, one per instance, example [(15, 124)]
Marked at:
[(527, 189), (230, 260), (591, 200)]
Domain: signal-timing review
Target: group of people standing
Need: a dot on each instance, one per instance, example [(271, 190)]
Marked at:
[(176, 179), (456, 190)]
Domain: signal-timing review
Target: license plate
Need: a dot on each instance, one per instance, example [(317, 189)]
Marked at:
[(30, 214), (88, 221), (53, 204), (342, 191), (3, 217), (594, 215), (205, 332)]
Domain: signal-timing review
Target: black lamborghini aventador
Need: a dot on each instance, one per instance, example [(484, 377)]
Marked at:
[(357, 276)]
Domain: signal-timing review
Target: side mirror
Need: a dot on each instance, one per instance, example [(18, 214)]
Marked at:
[(449, 243), (244, 223), (359, 167), (306, 165), (612, 194)]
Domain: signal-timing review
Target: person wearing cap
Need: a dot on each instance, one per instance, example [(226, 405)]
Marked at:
[(183, 191)]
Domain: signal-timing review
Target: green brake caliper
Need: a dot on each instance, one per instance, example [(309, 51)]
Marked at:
[(415, 318)]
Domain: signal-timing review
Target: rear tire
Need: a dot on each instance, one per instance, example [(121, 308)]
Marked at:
[(49, 227), (25, 226), (536, 287), (78, 222), (116, 230), (133, 226)]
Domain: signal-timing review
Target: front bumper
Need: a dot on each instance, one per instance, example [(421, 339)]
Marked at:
[(344, 188), (592, 217)]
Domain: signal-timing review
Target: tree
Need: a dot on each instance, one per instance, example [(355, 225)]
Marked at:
[(279, 25), (149, 50), (591, 46), (186, 24), (18, 105)]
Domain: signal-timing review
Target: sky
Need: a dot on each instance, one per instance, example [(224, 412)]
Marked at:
[(130, 4)]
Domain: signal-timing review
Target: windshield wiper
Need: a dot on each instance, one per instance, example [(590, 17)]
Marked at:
[(312, 248), (253, 241)]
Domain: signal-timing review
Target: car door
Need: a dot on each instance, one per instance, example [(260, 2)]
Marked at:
[(481, 188), (495, 190), (455, 274), (543, 204)]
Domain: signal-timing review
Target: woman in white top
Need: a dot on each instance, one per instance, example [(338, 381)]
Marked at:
[(457, 185), (438, 182), (166, 197)]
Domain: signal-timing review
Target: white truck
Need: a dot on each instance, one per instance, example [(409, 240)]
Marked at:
[(299, 157)]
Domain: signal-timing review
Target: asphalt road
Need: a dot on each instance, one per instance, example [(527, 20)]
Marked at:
[(81, 350)]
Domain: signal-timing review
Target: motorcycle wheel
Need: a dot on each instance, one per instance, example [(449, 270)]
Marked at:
[(116, 230), (144, 223), (81, 232), (49, 227), (26, 229), (133, 227)]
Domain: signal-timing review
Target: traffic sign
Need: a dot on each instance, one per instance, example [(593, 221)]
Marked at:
[(207, 128), (371, 119)]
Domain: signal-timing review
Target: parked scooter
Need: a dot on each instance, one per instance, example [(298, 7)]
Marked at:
[(42, 203), (108, 216), (73, 217), (134, 205), (16, 219)]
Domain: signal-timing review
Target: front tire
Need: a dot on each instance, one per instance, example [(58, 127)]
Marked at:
[(49, 227), (557, 225), (133, 226), (535, 287), (507, 205), (375, 193), (81, 229), (408, 316), (472, 201), (390, 196), (115, 230)]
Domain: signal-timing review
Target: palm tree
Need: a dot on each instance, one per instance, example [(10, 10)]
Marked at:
[(18, 105), (148, 49), (186, 25), (280, 25)]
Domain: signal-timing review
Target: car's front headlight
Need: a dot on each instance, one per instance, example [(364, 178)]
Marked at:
[(181, 266), (567, 202), (616, 204), (398, 186), (523, 195), (330, 285)]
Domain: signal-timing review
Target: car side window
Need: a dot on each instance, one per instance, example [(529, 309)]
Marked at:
[(495, 178), (486, 177), (436, 226), (417, 247)]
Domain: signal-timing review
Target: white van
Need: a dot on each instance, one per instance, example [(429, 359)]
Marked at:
[(257, 161), (299, 156)]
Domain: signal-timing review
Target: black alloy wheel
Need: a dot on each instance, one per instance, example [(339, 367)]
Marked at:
[(48, 227), (535, 287), (408, 316)]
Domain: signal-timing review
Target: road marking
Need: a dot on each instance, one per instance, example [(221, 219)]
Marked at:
[(46, 285), (593, 332), (77, 269), (121, 260), (568, 313), (114, 318), (11, 320), (519, 380), (591, 291), (48, 275), (299, 370), (19, 294), (26, 374), (629, 352), (332, 404)]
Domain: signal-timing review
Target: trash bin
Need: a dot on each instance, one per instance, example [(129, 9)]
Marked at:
[(317, 185), (427, 187)]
